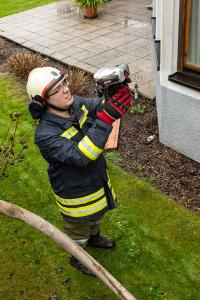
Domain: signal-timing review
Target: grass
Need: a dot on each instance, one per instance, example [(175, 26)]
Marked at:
[(157, 256), (11, 7), (113, 156)]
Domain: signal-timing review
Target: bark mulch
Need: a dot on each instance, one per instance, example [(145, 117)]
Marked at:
[(173, 173)]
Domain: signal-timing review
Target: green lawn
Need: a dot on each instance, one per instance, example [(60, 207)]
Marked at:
[(14, 6), (157, 254)]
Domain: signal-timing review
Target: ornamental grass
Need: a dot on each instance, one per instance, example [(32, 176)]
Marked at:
[(22, 62), (78, 80)]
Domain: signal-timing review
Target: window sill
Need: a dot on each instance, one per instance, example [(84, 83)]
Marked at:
[(188, 79)]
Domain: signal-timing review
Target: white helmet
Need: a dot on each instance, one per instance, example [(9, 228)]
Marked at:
[(41, 80)]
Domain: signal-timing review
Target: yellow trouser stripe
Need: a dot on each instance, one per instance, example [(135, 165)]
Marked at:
[(81, 200), (110, 186), (113, 193), (69, 133), (85, 210), (89, 149)]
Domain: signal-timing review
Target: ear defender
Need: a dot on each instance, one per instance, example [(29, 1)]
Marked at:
[(36, 107), (38, 99)]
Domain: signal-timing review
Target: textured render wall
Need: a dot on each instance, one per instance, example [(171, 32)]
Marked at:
[(178, 108), (154, 8), (157, 9), (180, 122)]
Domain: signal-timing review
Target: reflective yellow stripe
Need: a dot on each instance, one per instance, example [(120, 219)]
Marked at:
[(70, 132), (110, 186), (84, 117), (81, 200), (113, 193), (85, 210), (89, 149), (86, 152), (92, 145), (109, 183)]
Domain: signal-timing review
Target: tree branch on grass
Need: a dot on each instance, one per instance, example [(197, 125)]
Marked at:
[(66, 243)]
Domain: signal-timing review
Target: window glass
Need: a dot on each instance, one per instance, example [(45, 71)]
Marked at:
[(193, 53)]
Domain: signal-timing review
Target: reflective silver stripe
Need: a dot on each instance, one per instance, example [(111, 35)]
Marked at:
[(85, 210), (69, 133), (82, 120), (82, 200), (92, 145), (89, 149)]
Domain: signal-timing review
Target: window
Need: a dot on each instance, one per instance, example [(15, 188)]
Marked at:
[(188, 67), (192, 35)]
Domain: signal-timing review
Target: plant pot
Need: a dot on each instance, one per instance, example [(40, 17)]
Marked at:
[(90, 12)]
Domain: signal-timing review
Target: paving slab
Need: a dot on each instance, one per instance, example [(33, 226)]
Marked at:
[(121, 34)]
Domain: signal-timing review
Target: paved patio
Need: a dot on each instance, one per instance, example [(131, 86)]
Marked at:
[(120, 34)]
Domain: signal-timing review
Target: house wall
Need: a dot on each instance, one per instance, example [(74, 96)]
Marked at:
[(178, 107)]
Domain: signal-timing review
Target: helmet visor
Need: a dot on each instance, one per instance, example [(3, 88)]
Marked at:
[(53, 84)]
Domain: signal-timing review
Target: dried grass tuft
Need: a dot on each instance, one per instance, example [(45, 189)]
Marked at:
[(77, 81), (22, 62), (2, 44)]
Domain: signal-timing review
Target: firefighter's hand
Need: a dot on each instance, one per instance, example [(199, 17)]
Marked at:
[(116, 107)]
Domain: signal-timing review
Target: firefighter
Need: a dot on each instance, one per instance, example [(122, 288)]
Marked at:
[(71, 136)]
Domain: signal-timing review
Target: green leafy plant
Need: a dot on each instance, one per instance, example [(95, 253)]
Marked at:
[(137, 166), (10, 152), (132, 249), (113, 156), (153, 178), (138, 109), (93, 3)]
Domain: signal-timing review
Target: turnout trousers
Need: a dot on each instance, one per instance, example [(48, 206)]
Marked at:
[(80, 232)]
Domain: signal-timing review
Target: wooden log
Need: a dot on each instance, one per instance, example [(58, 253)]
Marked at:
[(68, 244), (112, 142)]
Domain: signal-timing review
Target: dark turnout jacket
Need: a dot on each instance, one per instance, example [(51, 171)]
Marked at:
[(77, 171)]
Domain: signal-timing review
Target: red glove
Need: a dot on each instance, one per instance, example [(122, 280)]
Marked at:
[(117, 106)]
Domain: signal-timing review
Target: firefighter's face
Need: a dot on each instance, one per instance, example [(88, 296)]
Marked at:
[(61, 95)]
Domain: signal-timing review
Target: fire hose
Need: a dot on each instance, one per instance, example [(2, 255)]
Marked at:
[(66, 243)]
